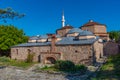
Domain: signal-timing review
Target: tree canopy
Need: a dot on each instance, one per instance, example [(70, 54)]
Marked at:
[(9, 13), (10, 35), (114, 35)]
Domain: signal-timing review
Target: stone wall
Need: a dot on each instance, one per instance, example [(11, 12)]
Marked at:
[(20, 53), (98, 50), (79, 54), (111, 48), (95, 28), (89, 28), (76, 53), (54, 55), (100, 29)]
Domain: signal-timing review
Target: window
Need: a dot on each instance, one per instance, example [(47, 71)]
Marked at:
[(76, 51), (17, 51)]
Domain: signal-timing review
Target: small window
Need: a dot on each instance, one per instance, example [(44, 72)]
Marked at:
[(90, 56), (76, 51), (17, 51)]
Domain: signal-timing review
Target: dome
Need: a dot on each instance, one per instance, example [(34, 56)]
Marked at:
[(33, 38), (85, 33), (58, 36), (66, 27), (43, 36), (75, 30), (91, 23)]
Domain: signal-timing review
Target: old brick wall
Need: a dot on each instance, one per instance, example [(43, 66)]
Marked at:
[(111, 48)]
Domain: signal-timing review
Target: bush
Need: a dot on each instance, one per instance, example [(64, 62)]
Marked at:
[(64, 65), (4, 59), (30, 57), (80, 68)]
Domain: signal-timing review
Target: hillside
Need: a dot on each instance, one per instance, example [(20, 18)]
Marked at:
[(110, 70)]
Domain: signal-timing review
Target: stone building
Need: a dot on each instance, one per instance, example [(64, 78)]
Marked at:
[(97, 29), (69, 43)]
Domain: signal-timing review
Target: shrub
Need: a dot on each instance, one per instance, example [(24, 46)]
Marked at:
[(80, 68), (30, 57), (64, 65)]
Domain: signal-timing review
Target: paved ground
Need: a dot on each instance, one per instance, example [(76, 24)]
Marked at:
[(10, 73)]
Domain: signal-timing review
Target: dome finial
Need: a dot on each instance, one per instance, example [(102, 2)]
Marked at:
[(90, 20)]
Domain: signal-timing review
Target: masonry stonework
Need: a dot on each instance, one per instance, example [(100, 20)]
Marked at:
[(76, 53), (111, 48), (79, 54), (98, 50)]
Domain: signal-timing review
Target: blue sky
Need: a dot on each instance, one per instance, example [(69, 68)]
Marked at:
[(44, 16)]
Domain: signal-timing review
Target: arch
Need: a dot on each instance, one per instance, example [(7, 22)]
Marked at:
[(50, 60)]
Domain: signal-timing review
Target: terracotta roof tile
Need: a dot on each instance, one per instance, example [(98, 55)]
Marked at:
[(91, 24), (66, 27)]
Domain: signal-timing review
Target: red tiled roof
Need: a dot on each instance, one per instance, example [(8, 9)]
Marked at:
[(66, 27), (91, 24)]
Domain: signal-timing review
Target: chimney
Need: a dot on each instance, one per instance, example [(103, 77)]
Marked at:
[(49, 35), (53, 41)]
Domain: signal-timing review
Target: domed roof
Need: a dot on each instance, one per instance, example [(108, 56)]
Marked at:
[(91, 23), (58, 36), (66, 27), (33, 38), (43, 36), (85, 33), (75, 30)]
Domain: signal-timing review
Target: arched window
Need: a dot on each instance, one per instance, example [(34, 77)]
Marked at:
[(50, 60)]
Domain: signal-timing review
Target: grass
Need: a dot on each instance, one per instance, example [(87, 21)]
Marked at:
[(80, 69), (51, 68), (110, 70), (5, 61)]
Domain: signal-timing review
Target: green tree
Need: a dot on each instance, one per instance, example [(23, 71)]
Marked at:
[(114, 35), (9, 36), (9, 13)]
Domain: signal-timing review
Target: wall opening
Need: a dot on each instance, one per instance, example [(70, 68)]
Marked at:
[(17, 51), (50, 60), (39, 58)]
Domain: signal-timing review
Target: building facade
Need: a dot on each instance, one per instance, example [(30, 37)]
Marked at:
[(81, 46)]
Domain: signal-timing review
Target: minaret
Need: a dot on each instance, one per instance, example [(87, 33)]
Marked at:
[(63, 19)]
